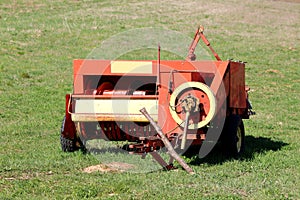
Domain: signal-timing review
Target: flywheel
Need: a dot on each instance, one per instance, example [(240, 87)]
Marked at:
[(201, 102)]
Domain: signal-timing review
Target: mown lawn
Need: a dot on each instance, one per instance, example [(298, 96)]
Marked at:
[(40, 39)]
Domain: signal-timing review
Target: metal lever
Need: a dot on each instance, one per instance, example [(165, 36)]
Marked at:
[(167, 143), (189, 104), (184, 136)]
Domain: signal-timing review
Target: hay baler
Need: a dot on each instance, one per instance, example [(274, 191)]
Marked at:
[(186, 98)]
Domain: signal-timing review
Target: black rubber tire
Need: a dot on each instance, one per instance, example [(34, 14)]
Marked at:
[(68, 145), (233, 136)]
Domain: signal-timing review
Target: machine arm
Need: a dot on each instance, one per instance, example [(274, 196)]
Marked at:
[(199, 34)]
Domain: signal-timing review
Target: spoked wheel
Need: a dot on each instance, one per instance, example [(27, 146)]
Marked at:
[(233, 136)]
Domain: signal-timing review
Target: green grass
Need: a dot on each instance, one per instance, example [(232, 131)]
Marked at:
[(39, 40)]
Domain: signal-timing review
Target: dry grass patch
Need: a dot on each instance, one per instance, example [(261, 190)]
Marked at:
[(109, 167)]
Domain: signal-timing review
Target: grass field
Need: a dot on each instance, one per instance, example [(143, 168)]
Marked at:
[(39, 40)]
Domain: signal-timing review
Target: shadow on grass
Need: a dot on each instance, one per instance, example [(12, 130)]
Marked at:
[(254, 145)]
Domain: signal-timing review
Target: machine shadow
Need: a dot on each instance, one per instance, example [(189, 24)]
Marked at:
[(254, 145)]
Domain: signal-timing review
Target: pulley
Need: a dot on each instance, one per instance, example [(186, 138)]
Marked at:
[(202, 95)]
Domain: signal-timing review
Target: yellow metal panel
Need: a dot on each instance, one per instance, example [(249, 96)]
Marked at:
[(131, 67), (115, 106), (113, 109), (110, 117)]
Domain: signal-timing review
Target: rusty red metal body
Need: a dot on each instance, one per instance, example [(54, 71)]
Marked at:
[(184, 97)]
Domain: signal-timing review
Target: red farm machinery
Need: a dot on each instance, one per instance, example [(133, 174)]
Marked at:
[(187, 101)]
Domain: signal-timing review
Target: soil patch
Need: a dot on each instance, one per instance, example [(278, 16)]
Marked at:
[(109, 167)]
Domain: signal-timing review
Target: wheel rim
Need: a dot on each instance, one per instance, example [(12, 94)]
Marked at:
[(239, 139)]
